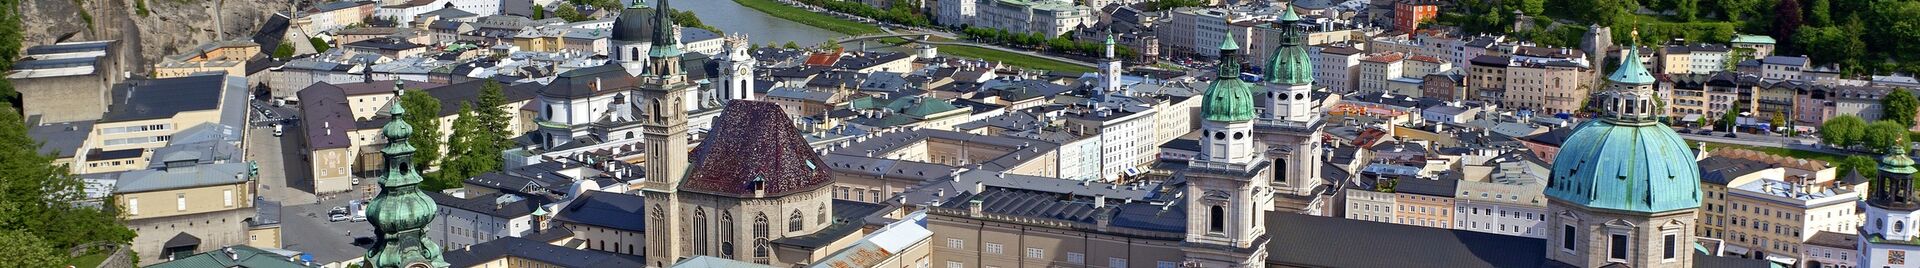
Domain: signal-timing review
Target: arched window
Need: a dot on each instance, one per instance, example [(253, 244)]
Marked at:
[(700, 231), (1218, 220), (726, 234), (760, 251), (629, 135), (633, 53), (760, 226), (794, 221), (1279, 169), (821, 216)]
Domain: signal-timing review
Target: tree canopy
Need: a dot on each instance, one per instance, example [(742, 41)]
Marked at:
[(1843, 131), (1899, 107), (423, 113), (1883, 135), (41, 205)]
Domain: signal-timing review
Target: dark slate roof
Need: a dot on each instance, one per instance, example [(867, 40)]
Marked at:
[(848, 217), (490, 204), (143, 99), (181, 240), (272, 32), (606, 209), (324, 106), (63, 140), (755, 142), (539, 251), (1339, 242), (384, 44), (1170, 218), (1430, 187), (451, 96), (1030, 203), (1852, 178), (580, 83), (1554, 137), (1719, 169)]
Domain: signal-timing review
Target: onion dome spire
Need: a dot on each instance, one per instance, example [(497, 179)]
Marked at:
[(1228, 99), (401, 212)]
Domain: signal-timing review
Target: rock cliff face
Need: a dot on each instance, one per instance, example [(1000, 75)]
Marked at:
[(169, 27)]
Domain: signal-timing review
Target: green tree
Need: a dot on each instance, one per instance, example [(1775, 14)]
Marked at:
[(491, 108), (465, 147), (791, 45), (1857, 163), (319, 45), (40, 199), (423, 113), (570, 13), (1818, 13), (1731, 119), (24, 249), (1884, 134), (1842, 131), (1779, 120), (539, 12), (1530, 7), (1786, 19), (1899, 107), (284, 51), (1826, 45), (10, 47)]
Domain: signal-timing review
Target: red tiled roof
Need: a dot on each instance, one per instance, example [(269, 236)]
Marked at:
[(755, 141), (824, 58)]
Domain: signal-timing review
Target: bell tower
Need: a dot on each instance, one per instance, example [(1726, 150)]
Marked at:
[(736, 70), (1290, 122), (1225, 200), (664, 127)]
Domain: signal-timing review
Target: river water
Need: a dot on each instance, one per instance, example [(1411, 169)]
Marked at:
[(759, 27)]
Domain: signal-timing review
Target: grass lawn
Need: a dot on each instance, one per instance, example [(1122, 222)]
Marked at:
[(809, 18), (1803, 154), (1014, 59), (89, 260)]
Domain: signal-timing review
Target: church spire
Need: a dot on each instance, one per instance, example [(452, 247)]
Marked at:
[(665, 44), (1290, 64), (400, 213), (1630, 97)]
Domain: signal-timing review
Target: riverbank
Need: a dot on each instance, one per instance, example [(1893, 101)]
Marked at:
[(781, 10), (1010, 58), (808, 17)]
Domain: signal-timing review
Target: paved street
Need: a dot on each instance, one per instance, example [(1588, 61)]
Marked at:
[(282, 176), (306, 229)]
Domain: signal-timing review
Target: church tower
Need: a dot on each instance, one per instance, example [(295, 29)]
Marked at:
[(664, 128), (736, 70), (631, 40), (1625, 189), (400, 213), (1110, 70), (1290, 122), (1888, 235), (1225, 200)]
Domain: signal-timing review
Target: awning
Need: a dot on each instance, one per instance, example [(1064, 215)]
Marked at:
[(182, 240), (1690, 118)]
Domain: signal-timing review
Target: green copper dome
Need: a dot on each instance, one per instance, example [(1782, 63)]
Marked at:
[(1897, 162), (1630, 167), (1289, 15), (1228, 99), (1291, 64), (1631, 71), (400, 213)]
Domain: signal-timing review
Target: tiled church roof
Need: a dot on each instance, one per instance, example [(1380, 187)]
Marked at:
[(755, 143)]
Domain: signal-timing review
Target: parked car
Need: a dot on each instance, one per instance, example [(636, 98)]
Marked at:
[(1705, 132), (341, 210), (337, 217), (1732, 135), (1685, 130)]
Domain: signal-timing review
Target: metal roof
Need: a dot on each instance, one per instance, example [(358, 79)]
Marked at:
[(538, 251), (606, 209), (163, 98), (188, 176), (1643, 168)]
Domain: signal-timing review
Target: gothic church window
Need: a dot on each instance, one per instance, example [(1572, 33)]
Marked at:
[(700, 231), (794, 221)]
